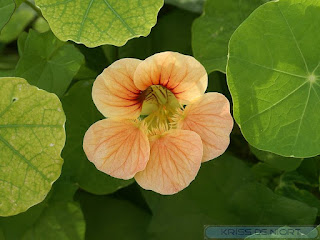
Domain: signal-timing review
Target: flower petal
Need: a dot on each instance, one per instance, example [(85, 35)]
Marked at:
[(209, 117), (118, 148), (175, 160), (182, 75), (114, 92)]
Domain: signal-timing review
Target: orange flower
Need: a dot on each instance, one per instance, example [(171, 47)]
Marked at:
[(148, 133)]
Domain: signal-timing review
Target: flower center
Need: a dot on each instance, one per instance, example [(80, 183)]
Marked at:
[(159, 107)]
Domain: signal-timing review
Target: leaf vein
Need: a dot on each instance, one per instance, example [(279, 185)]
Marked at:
[(119, 17), (275, 104), (16, 152)]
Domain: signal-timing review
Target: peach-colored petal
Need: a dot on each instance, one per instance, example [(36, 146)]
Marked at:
[(118, 148), (114, 92), (183, 75), (175, 160), (209, 117)]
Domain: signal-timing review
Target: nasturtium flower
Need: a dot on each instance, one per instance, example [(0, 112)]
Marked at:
[(160, 124)]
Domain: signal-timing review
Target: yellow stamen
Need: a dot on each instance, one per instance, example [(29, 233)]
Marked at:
[(160, 105)]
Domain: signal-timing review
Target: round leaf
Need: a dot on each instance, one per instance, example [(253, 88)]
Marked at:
[(96, 23), (32, 136), (47, 62), (272, 72)]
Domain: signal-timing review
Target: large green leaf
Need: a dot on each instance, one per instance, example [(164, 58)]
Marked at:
[(47, 62), (191, 5), (111, 218), (57, 217), (224, 192), (32, 136), (272, 73), (6, 10), (81, 113), (17, 23), (96, 23), (212, 31)]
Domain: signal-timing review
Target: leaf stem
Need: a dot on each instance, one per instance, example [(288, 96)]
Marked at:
[(35, 8)]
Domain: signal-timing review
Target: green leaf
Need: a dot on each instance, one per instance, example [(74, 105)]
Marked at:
[(224, 192), (276, 161), (310, 169), (14, 227), (190, 5), (266, 174), (111, 218), (302, 184), (289, 190), (19, 2), (96, 23), (81, 113), (22, 42), (172, 33), (212, 31), (32, 136), (272, 74), (307, 174), (65, 216), (57, 217), (110, 52), (48, 63), (6, 10), (85, 73), (95, 59), (20, 19)]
